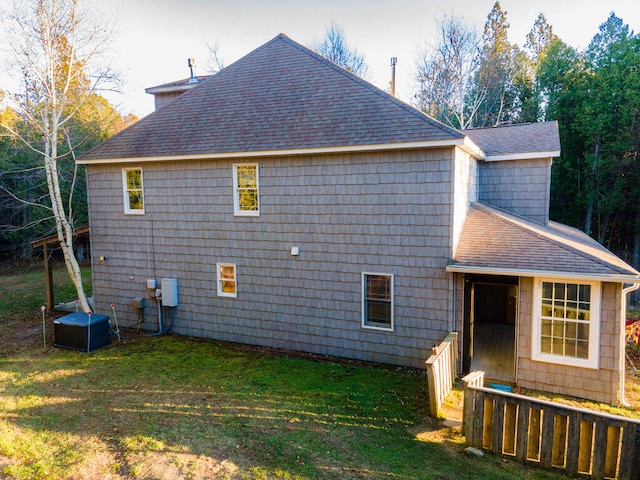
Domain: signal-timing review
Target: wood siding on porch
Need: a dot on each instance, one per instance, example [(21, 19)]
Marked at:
[(600, 384)]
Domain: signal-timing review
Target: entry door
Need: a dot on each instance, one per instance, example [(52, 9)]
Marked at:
[(490, 326)]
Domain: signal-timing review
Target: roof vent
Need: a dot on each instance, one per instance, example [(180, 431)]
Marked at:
[(192, 63)]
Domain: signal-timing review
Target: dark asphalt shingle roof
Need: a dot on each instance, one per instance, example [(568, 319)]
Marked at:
[(494, 239), (517, 139), (281, 96)]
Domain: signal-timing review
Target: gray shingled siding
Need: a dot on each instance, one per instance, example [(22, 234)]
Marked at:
[(518, 186), (348, 214)]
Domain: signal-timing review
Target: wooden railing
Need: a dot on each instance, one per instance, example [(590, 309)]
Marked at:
[(551, 435), (442, 370)]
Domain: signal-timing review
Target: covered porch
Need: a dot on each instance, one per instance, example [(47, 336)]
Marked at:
[(522, 320), (489, 338)]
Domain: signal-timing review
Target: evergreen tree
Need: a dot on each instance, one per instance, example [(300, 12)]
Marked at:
[(495, 76)]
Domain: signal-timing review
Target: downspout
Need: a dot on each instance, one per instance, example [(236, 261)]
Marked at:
[(623, 340)]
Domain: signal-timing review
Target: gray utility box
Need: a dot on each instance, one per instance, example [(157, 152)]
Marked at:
[(74, 331)]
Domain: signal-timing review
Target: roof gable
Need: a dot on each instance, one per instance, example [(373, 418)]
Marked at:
[(494, 240), (281, 96)]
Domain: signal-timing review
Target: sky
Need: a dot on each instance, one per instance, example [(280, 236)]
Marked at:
[(154, 38)]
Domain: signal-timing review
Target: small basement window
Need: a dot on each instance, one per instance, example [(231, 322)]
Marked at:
[(227, 280), (377, 301)]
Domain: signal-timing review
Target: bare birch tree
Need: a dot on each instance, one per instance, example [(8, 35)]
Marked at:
[(336, 48), (445, 75), (55, 46)]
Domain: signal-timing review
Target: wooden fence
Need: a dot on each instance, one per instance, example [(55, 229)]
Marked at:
[(442, 369), (551, 435)]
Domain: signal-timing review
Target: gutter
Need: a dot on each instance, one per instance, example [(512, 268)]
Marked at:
[(623, 340)]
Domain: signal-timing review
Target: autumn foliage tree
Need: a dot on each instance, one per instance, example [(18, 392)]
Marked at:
[(57, 110)]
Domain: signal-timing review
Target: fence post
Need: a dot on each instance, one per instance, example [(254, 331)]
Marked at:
[(475, 379), (433, 393)]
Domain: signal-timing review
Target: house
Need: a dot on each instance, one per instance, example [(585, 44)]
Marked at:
[(293, 205)]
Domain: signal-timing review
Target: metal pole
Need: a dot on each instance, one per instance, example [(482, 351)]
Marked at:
[(394, 61)]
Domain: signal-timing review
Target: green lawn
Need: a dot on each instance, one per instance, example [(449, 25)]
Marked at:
[(173, 407)]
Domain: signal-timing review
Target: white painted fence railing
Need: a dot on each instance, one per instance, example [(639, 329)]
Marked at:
[(442, 369)]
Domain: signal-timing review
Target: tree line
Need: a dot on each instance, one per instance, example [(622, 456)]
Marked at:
[(472, 80), (467, 79)]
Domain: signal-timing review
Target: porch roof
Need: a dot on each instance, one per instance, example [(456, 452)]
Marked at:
[(495, 241)]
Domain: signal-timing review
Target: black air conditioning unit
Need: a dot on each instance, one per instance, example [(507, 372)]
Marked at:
[(81, 331)]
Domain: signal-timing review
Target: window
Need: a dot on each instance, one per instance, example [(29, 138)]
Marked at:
[(245, 190), (133, 191), (566, 326), (377, 301), (226, 280)]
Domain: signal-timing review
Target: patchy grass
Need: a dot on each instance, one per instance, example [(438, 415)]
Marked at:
[(22, 292), (175, 408)]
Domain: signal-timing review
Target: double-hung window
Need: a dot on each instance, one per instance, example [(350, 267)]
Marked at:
[(245, 190), (566, 323), (227, 280), (133, 191), (377, 301)]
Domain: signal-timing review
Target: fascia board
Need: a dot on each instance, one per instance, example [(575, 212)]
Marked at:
[(615, 278), (281, 153), (522, 156)]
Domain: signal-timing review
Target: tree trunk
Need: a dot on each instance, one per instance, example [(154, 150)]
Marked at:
[(64, 228), (593, 189), (603, 229)]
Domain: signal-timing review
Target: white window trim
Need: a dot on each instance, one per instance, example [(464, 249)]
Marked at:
[(125, 193), (363, 301), (236, 196), (219, 280), (593, 362)]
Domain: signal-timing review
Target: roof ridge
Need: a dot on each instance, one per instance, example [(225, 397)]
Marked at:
[(503, 216), (376, 90), (369, 116), (510, 125)]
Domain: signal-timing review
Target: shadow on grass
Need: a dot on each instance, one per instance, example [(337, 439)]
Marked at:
[(172, 407)]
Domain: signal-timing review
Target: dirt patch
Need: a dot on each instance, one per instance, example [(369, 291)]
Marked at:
[(4, 462), (178, 466), (20, 335)]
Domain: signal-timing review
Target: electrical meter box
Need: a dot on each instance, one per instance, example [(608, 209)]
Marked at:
[(169, 287)]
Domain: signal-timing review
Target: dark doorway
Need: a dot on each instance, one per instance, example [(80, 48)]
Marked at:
[(490, 326)]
